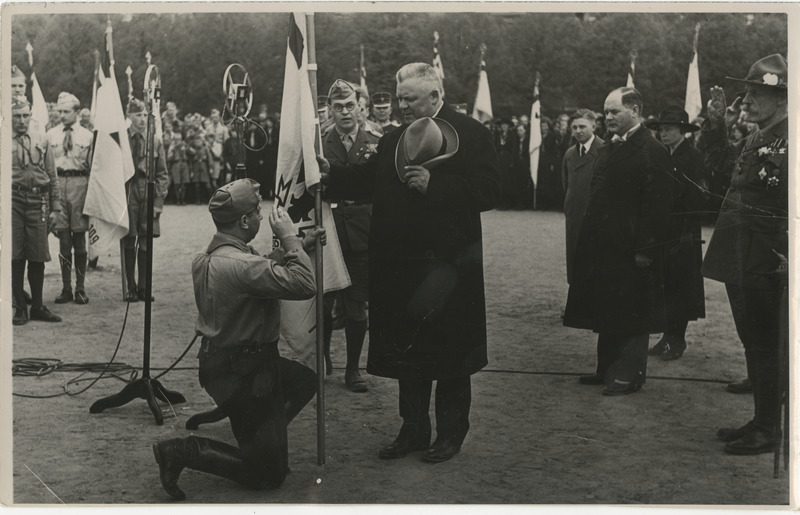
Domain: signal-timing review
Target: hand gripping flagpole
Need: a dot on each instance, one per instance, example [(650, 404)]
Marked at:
[(238, 102), (146, 387)]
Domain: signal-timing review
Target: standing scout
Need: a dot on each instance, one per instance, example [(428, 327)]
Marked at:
[(71, 145), (35, 204)]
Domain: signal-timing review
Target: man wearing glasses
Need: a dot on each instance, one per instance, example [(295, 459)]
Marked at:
[(348, 144)]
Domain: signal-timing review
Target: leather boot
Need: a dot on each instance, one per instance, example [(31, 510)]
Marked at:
[(80, 276), (65, 261)]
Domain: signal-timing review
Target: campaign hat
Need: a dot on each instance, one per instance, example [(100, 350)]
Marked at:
[(768, 71)]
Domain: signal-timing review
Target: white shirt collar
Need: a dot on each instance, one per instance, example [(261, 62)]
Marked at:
[(352, 133), (588, 145)]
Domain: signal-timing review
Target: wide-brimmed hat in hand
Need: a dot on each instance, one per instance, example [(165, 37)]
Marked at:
[(426, 142)]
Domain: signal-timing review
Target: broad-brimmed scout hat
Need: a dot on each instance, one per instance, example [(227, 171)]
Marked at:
[(426, 142), (673, 115), (767, 71), (233, 200)]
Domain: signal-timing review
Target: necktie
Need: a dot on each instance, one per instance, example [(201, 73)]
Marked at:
[(347, 141), (67, 139), (582, 150), (21, 151)]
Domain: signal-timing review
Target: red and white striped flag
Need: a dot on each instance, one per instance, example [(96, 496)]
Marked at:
[(299, 170)]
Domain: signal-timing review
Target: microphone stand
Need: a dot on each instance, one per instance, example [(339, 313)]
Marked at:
[(146, 387)]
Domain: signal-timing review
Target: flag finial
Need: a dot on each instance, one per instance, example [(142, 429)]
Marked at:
[(148, 57)]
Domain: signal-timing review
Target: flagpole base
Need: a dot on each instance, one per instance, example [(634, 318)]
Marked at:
[(145, 388)]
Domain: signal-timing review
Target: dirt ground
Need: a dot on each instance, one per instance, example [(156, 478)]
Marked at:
[(537, 436)]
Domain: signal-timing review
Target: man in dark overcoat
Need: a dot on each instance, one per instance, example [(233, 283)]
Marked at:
[(576, 176), (683, 282), (617, 288), (750, 241), (427, 307)]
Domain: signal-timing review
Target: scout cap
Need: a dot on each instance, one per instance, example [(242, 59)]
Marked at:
[(340, 90), (15, 72), (233, 200), (19, 102), (382, 99), (68, 100), (136, 106), (767, 71)]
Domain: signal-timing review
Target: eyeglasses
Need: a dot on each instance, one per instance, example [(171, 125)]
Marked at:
[(339, 107)]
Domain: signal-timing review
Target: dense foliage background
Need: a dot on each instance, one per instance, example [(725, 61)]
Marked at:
[(580, 56)]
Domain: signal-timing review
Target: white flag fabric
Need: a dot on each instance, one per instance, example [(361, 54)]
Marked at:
[(39, 114), (437, 60), (630, 81), (298, 167), (112, 165), (694, 103), (483, 101), (535, 143)]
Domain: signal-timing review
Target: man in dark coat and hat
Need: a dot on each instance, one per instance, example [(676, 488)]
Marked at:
[(616, 289), (750, 241), (429, 180), (683, 257)]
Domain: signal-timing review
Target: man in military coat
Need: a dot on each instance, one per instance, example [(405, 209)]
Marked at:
[(616, 289), (382, 111), (750, 241), (426, 294), (348, 144)]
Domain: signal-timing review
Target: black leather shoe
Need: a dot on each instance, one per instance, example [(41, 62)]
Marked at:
[(618, 388), (593, 379), (170, 465), (44, 314), (729, 434), (757, 441), (743, 386), (66, 296), (674, 351), (81, 297), (659, 348), (441, 450), (20, 316), (404, 445)]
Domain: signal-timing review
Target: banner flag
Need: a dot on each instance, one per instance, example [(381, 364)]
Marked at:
[(39, 114), (694, 103), (535, 143), (299, 170), (482, 111), (632, 70)]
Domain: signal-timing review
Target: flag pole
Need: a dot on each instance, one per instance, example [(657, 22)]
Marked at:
[(312, 79)]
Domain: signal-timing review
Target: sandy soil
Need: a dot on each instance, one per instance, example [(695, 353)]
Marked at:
[(537, 436)]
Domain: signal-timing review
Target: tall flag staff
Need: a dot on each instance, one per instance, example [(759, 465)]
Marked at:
[(632, 71), (437, 59), (694, 103), (535, 143), (482, 111), (95, 83), (362, 71), (297, 190), (39, 115), (146, 387)]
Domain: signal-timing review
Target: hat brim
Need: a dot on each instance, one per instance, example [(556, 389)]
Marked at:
[(685, 127), (757, 83), (451, 147)]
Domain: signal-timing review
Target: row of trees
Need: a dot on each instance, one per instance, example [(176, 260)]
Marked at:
[(580, 57)]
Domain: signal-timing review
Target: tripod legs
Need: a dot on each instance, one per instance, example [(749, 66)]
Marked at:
[(145, 388)]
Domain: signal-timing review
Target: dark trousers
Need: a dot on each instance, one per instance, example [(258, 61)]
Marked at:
[(756, 314), (259, 425), (452, 403), (622, 357)]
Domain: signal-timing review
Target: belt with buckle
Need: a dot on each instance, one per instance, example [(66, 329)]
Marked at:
[(31, 189), (72, 173)]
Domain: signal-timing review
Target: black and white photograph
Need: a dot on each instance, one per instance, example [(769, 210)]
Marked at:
[(382, 254)]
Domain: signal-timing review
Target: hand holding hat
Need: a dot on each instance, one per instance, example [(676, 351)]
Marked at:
[(424, 144)]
